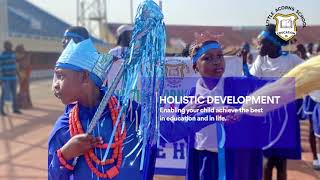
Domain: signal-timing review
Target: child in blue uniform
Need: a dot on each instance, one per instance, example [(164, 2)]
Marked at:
[(79, 74), (272, 62), (203, 137), (308, 108), (315, 125)]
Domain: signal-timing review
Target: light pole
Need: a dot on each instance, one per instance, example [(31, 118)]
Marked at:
[(160, 4), (131, 11), (3, 21)]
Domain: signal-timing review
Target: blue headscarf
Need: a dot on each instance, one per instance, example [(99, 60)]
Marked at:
[(83, 56)]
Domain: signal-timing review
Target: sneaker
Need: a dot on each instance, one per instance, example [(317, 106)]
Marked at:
[(316, 164)]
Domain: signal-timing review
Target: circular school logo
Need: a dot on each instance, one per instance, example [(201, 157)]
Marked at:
[(286, 18)]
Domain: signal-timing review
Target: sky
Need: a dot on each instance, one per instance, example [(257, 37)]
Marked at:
[(193, 12)]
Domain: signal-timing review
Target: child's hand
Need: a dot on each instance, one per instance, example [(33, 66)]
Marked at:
[(79, 144)]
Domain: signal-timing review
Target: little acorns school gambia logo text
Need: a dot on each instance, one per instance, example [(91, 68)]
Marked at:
[(286, 21)]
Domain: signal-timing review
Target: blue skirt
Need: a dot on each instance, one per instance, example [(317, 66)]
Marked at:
[(316, 119), (307, 108), (205, 165)]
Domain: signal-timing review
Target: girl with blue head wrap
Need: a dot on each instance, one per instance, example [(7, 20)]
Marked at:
[(206, 157), (273, 63), (270, 43), (76, 33)]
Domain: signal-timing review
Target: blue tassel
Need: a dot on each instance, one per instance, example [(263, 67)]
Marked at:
[(221, 152), (146, 58)]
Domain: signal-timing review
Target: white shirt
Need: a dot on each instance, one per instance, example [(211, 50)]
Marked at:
[(206, 138), (118, 51), (264, 66), (315, 95)]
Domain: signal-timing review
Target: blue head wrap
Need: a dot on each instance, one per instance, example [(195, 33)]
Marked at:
[(267, 35), (83, 56), (74, 35), (204, 49)]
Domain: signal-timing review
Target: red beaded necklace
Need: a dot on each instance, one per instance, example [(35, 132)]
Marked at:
[(76, 128)]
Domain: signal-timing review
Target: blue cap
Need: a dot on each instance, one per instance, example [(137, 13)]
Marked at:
[(83, 56)]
